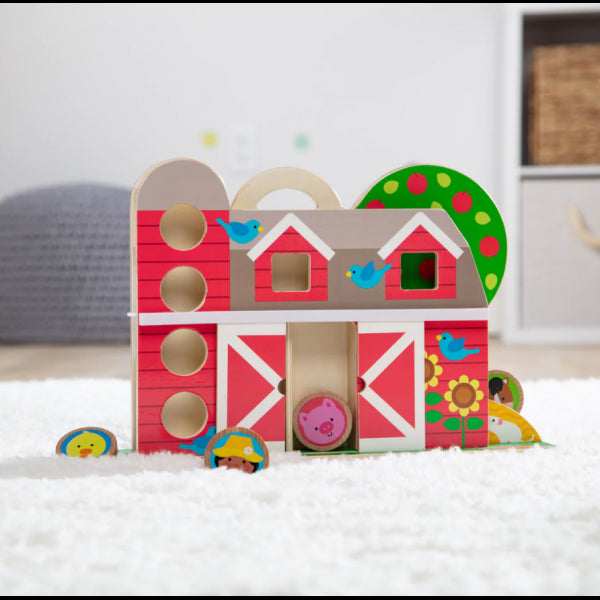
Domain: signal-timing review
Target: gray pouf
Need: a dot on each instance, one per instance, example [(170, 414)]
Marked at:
[(64, 265)]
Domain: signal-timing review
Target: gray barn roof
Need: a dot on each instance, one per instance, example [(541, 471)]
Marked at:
[(353, 236)]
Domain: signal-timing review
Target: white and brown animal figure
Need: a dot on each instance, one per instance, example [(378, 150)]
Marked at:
[(500, 384), (507, 426)]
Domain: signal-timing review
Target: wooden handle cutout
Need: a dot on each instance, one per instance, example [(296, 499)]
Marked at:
[(581, 230), (286, 178)]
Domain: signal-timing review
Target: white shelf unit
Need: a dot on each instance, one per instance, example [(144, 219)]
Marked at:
[(559, 171), (526, 25)]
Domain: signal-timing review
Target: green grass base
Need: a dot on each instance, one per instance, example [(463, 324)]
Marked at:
[(519, 445)]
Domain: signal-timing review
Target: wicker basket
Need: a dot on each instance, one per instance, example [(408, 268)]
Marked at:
[(564, 105)]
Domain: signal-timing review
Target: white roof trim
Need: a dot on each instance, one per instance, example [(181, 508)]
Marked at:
[(430, 226), (290, 220)]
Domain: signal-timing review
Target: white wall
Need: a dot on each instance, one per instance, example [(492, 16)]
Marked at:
[(101, 92)]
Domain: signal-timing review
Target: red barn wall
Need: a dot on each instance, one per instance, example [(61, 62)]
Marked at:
[(156, 384), (421, 241), (155, 259), (475, 367), (290, 242)]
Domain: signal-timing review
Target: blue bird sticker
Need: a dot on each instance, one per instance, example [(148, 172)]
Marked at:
[(242, 233), (198, 446), (367, 277), (453, 349)]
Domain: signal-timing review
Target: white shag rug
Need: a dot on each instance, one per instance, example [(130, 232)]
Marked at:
[(432, 523)]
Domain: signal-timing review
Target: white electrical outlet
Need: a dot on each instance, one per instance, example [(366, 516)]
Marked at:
[(242, 147)]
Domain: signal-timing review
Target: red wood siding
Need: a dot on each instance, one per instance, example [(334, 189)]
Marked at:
[(155, 259), (290, 242), (421, 241), (156, 385), (474, 366)]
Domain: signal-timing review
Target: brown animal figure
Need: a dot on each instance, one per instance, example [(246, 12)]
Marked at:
[(500, 390)]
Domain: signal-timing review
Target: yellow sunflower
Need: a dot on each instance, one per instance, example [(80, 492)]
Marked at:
[(463, 395), (432, 370)]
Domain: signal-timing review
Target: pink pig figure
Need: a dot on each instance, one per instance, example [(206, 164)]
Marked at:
[(324, 424)]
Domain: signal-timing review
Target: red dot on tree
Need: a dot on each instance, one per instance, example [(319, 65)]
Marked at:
[(489, 246), (375, 204), (417, 183), (427, 269), (462, 202)]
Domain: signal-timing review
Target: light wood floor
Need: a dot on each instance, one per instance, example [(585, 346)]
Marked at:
[(31, 362)]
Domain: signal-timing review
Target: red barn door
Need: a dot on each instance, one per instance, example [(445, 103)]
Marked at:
[(392, 401), (251, 366)]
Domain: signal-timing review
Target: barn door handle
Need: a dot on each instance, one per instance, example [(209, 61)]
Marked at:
[(286, 178), (583, 233)]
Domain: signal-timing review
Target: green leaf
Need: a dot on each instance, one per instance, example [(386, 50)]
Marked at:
[(433, 398), (433, 416), (452, 424), (474, 423)]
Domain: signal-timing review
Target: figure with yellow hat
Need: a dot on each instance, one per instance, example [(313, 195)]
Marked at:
[(237, 448)]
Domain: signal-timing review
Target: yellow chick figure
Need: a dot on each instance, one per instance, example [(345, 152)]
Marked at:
[(86, 444)]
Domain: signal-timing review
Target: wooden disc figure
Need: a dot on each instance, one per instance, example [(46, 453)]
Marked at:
[(322, 421), (237, 448), (87, 441), (505, 389)]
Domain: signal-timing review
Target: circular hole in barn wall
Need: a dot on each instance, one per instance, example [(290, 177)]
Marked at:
[(183, 352), (281, 387), (184, 415), (183, 226), (183, 289), (360, 384)]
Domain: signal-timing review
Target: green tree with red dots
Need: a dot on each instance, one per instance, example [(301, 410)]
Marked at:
[(469, 206)]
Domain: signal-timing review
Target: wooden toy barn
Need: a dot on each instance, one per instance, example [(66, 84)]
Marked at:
[(239, 314)]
